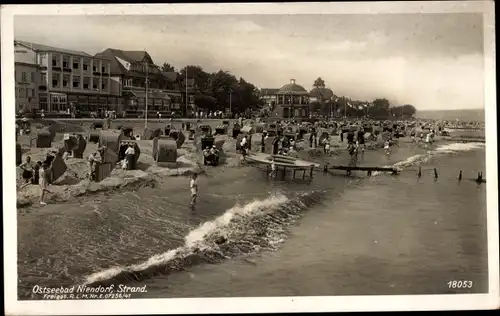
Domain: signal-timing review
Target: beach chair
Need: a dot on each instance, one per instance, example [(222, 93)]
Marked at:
[(164, 149)]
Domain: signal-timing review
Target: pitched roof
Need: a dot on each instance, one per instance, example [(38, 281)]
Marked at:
[(46, 48), (129, 56), (269, 91), (116, 68), (132, 56)]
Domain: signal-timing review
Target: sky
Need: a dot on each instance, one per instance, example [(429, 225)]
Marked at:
[(432, 61)]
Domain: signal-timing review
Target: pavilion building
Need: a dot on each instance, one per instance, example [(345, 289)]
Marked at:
[(292, 101)]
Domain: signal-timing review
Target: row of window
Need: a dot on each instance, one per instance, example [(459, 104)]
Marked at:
[(76, 82), (129, 83), (25, 76), (141, 67), (74, 63), (25, 93), (60, 103)]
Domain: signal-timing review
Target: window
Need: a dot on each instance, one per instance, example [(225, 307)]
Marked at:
[(55, 60), (65, 62), (76, 63), (127, 82), (55, 80), (85, 64), (95, 83), (21, 92), (27, 92), (58, 102), (43, 78), (104, 68), (32, 93), (24, 77), (104, 85), (65, 81), (94, 66), (43, 59), (33, 77), (86, 83), (43, 102), (76, 82)]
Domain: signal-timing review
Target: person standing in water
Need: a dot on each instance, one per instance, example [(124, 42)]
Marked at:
[(387, 147), (193, 185), (272, 175)]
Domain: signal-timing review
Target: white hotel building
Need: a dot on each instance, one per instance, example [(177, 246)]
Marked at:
[(63, 78)]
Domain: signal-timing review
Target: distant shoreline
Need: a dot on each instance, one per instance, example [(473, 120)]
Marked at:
[(463, 115)]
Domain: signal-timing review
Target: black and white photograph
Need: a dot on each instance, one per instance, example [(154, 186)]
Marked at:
[(265, 157)]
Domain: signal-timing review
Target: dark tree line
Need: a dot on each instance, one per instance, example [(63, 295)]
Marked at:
[(344, 106), (221, 90)]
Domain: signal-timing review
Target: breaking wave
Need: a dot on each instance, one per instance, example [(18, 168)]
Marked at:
[(241, 230), (440, 150)]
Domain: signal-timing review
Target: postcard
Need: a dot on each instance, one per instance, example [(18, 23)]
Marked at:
[(246, 158)]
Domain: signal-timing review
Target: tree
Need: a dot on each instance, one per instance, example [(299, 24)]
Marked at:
[(221, 90), (381, 104), (205, 102), (167, 68), (404, 110), (200, 77), (319, 83)]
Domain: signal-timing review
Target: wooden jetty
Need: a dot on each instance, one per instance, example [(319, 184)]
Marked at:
[(284, 163), (369, 169)]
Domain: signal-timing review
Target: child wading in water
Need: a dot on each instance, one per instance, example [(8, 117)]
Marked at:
[(387, 147), (194, 189), (272, 174)]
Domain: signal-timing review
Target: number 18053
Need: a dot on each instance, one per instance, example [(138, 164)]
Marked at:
[(459, 284)]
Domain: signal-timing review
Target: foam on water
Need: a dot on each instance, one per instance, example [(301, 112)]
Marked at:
[(235, 227), (440, 150)]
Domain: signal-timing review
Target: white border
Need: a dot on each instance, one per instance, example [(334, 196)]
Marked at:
[(254, 304)]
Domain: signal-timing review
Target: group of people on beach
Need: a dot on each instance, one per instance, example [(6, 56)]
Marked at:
[(38, 173)]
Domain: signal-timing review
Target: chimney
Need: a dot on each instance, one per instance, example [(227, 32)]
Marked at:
[(292, 81)]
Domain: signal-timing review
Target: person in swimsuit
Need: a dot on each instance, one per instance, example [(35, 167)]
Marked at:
[(27, 168), (272, 174), (193, 185), (45, 173), (387, 147), (361, 141)]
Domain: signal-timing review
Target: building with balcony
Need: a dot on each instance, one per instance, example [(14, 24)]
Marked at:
[(130, 70), (70, 79), (292, 101)]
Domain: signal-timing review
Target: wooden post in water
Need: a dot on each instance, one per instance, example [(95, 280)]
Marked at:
[(312, 170), (294, 173), (435, 174), (460, 176)]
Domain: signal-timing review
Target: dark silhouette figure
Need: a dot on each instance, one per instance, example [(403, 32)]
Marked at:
[(419, 172), (435, 174), (460, 176)]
